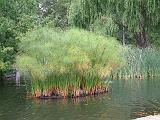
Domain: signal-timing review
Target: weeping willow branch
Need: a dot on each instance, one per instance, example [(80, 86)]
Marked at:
[(138, 16)]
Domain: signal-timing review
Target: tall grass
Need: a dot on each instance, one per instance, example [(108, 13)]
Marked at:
[(140, 63), (68, 63)]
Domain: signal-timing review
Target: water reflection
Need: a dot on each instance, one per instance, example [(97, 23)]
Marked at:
[(127, 100)]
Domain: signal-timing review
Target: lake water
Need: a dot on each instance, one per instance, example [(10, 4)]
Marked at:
[(126, 100)]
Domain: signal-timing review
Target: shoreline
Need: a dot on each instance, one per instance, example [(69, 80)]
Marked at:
[(74, 96)]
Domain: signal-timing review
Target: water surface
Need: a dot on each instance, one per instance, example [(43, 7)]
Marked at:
[(127, 100)]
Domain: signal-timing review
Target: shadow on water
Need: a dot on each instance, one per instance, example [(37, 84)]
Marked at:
[(127, 100)]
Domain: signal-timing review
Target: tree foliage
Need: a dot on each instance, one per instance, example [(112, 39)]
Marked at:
[(139, 18), (15, 18), (19, 16), (55, 10), (131, 21)]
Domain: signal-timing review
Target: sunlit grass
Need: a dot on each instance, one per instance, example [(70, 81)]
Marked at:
[(70, 63)]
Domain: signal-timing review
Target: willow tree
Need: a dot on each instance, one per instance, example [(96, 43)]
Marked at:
[(55, 10), (139, 18)]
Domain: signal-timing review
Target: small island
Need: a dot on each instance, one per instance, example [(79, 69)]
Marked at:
[(73, 63)]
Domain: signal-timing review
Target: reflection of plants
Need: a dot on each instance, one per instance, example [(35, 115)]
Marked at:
[(68, 63)]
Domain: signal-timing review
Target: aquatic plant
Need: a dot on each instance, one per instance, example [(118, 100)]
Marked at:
[(140, 63), (68, 63)]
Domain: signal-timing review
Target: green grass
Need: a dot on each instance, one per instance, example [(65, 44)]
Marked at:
[(65, 62), (140, 63)]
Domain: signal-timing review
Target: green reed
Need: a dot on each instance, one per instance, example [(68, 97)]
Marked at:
[(65, 62), (140, 63)]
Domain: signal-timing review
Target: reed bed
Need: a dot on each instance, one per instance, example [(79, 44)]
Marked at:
[(70, 63), (140, 64)]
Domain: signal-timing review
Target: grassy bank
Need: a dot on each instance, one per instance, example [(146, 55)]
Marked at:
[(68, 64)]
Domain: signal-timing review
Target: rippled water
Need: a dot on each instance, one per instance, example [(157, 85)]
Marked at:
[(127, 100)]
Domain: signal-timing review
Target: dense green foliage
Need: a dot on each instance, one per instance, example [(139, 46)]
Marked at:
[(8, 44), (38, 35), (15, 19), (67, 61), (137, 20), (55, 10), (140, 63)]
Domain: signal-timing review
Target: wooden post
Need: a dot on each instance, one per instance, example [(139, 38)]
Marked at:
[(17, 78)]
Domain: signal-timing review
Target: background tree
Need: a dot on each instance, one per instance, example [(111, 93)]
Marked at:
[(15, 19), (137, 19), (19, 16), (55, 10)]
